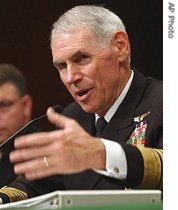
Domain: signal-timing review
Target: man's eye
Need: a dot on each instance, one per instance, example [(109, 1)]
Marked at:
[(84, 57), (81, 58), (62, 66)]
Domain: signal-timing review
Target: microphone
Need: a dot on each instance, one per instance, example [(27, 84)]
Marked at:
[(6, 148)]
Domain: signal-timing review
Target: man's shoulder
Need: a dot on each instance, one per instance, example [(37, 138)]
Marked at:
[(74, 106), (74, 110), (149, 84)]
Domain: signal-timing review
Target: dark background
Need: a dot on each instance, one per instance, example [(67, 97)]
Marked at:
[(24, 41)]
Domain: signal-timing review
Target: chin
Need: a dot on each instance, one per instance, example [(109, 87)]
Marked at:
[(87, 108)]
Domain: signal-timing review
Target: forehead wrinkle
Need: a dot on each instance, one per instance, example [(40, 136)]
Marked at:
[(73, 42)]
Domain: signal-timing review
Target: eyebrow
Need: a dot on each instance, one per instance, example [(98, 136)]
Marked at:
[(72, 57), (76, 54)]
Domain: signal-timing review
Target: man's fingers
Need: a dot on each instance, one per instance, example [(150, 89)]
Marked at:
[(57, 119)]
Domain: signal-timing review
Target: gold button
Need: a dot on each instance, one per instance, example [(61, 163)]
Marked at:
[(116, 170)]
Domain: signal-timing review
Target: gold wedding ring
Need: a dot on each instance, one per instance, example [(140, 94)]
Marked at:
[(46, 161)]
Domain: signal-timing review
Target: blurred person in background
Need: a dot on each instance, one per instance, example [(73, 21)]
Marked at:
[(15, 111)]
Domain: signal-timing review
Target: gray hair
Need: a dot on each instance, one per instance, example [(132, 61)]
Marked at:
[(10, 73), (101, 21)]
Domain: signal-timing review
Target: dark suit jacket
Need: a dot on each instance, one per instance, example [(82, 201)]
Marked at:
[(7, 174), (137, 121)]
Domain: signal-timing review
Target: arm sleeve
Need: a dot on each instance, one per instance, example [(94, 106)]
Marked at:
[(141, 167), (10, 194), (145, 167), (116, 164)]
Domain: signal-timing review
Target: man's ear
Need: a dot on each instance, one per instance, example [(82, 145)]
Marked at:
[(27, 102), (121, 42)]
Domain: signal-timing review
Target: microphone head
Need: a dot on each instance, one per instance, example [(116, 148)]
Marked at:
[(57, 108)]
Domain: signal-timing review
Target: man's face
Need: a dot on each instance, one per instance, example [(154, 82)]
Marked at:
[(90, 72), (14, 111)]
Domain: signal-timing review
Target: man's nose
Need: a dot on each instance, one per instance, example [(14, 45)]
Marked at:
[(73, 74)]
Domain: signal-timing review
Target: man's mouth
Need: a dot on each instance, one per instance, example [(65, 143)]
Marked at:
[(83, 94)]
